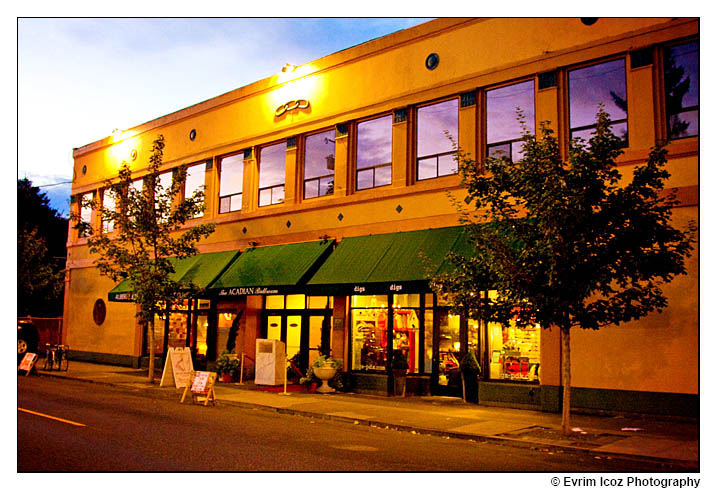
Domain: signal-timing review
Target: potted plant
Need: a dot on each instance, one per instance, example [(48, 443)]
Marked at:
[(399, 367), (326, 369), (226, 366), (470, 371)]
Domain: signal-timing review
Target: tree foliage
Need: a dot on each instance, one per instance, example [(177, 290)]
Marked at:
[(149, 232), (41, 252), (566, 243)]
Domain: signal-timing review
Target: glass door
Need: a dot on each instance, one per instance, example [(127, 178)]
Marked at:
[(447, 377), (294, 335)]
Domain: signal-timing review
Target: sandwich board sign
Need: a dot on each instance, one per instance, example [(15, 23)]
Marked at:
[(28, 361), (178, 367), (201, 387)]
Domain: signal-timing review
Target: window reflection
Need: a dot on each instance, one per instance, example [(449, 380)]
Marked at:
[(503, 129), (194, 181), (319, 164), (374, 141), (598, 84), (435, 151), (271, 174), (681, 82), (231, 175)]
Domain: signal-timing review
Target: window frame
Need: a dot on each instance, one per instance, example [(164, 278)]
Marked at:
[(203, 186), (484, 99), (271, 188), (321, 178), (419, 158), (614, 122), (373, 168), (664, 95), (220, 196)]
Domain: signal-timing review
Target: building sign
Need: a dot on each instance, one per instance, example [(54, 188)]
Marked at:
[(233, 292), (291, 106)]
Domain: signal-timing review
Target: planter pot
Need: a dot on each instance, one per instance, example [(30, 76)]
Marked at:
[(226, 378), (470, 386), (399, 382), (325, 374)]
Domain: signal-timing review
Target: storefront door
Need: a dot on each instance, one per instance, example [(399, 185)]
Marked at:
[(446, 378)]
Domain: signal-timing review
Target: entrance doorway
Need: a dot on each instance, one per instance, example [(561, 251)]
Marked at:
[(302, 323)]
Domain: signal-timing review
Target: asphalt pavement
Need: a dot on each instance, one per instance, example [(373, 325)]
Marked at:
[(672, 442)]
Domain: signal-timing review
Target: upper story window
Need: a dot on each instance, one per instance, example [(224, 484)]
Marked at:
[(680, 72), (319, 164), (108, 203), (271, 174), (588, 87), (374, 143), (231, 178), (194, 181), (86, 210), (503, 128), (434, 150)]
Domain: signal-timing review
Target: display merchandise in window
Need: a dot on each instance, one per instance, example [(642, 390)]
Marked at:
[(515, 352)]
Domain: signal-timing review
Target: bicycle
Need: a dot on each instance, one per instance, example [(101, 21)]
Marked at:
[(56, 357)]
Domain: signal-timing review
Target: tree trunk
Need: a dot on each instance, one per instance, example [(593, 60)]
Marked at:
[(566, 380), (151, 349)]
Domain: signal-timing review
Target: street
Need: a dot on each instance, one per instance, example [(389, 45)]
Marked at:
[(66, 425)]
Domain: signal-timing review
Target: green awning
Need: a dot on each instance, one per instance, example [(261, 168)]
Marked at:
[(387, 263), (200, 270), (272, 270)]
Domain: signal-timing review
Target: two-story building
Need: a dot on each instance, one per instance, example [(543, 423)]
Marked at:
[(329, 184)]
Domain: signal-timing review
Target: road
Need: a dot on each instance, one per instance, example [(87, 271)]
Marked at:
[(103, 428)]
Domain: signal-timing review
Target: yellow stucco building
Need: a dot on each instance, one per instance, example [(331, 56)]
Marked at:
[(329, 182)]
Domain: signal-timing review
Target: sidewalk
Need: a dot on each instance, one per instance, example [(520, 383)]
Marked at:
[(673, 443)]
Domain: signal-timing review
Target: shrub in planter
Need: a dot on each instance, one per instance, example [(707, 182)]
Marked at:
[(470, 370), (320, 362), (226, 366)]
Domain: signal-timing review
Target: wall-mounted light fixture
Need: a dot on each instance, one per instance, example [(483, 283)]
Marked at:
[(253, 243), (288, 68)]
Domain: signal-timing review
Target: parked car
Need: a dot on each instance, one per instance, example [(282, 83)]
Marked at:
[(27, 339)]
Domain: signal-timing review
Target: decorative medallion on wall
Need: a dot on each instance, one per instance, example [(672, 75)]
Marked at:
[(192, 134), (291, 106), (432, 61), (133, 154), (99, 311)]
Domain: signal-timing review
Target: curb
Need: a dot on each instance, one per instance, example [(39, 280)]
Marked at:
[(667, 463)]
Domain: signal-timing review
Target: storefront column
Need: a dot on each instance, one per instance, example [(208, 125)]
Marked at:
[(290, 175), (250, 183), (466, 138), (400, 155), (211, 190), (341, 160), (340, 338), (641, 116)]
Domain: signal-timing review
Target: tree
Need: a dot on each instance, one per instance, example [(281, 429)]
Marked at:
[(149, 232), (562, 244), (41, 252)]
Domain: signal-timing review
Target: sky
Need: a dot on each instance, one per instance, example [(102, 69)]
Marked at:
[(80, 78)]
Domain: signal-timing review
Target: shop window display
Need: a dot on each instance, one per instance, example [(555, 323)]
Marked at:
[(514, 351), (370, 320), (406, 328)]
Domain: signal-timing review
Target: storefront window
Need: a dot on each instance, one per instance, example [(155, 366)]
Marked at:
[(514, 351), (296, 301), (224, 324), (159, 333), (369, 316), (274, 302), (406, 328), (449, 347), (177, 337)]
